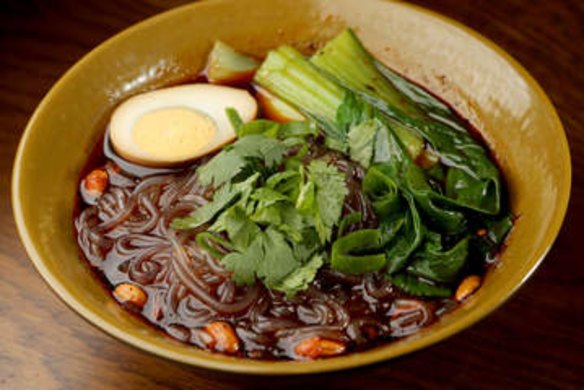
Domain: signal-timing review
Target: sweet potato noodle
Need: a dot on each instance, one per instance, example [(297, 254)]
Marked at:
[(126, 235)]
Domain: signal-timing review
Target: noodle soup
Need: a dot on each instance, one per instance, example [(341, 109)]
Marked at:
[(355, 209)]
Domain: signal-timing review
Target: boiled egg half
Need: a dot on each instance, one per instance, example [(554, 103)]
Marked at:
[(172, 126)]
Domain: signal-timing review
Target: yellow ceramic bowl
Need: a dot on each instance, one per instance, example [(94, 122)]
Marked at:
[(486, 84)]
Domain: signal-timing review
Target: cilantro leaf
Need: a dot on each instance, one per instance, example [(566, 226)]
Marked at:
[(283, 217), (349, 112), (221, 168), (287, 183), (330, 192), (243, 264), (213, 243), (306, 201), (352, 111), (270, 150), (307, 246), (236, 157), (270, 228), (300, 278), (268, 196), (239, 227), (223, 198), (278, 260), (268, 257)]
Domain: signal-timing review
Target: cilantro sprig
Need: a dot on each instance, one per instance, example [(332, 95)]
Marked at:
[(276, 216)]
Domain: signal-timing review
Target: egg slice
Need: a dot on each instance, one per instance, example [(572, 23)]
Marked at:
[(176, 125)]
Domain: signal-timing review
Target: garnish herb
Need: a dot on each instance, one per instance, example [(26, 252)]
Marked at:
[(275, 222), (430, 184)]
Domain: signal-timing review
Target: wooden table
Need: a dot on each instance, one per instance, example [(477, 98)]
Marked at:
[(536, 340)]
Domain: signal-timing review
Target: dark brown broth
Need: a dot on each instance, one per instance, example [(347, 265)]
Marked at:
[(355, 310)]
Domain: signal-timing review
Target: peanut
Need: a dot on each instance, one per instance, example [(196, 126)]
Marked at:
[(317, 347), (223, 338), (96, 182), (468, 286), (130, 293)]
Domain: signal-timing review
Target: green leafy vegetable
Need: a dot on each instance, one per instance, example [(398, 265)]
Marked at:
[(276, 208), (279, 260), (379, 185), (497, 230), (239, 227), (228, 164), (272, 232), (268, 257), (416, 94), (224, 197), (455, 146), (330, 190), (221, 169), (244, 264), (406, 175), (345, 57), (308, 245), (361, 141), (286, 183), (358, 252), (433, 204), (401, 226), (347, 221), (477, 179), (282, 216), (301, 277), (409, 238), (268, 196), (433, 263), (306, 201), (269, 150), (414, 286), (289, 76)]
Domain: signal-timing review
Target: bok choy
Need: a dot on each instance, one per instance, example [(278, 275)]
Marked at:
[(428, 213)]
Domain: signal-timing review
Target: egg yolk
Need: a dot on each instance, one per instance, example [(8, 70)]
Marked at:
[(173, 133)]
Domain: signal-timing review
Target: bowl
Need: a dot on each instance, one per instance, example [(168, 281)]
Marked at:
[(484, 83)]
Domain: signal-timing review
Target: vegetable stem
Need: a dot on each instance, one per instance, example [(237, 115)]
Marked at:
[(350, 63), (288, 75)]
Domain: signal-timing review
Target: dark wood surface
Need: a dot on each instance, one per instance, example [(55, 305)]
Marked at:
[(536, 340)]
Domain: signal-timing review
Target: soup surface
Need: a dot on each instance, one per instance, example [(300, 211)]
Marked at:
[(330, 223)]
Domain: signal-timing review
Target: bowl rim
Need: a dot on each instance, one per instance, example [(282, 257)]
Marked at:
[(248, 366)]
